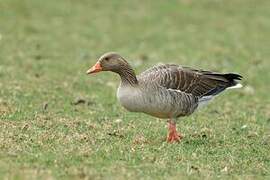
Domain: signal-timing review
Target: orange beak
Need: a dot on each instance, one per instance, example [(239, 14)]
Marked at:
[(96, 68)]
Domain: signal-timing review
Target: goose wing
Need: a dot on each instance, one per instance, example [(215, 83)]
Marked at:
[(192, 81)]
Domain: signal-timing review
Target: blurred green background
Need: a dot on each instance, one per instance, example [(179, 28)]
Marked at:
[(56, 122)]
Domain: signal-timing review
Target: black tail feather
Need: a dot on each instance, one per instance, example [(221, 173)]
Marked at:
[(229, 80), (232, 76)]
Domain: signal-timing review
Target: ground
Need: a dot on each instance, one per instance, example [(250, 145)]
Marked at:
[(58, 123)]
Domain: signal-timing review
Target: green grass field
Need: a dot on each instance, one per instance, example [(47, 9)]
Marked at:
[(57, 122)]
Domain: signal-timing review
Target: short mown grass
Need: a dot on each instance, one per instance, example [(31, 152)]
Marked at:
[(56, 122)]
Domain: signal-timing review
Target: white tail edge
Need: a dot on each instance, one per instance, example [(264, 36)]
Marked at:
[(236, 86)]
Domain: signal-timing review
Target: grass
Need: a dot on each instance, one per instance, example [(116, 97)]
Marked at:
[(46, 47)]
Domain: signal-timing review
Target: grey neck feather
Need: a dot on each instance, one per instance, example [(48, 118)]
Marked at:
[(127, 75)]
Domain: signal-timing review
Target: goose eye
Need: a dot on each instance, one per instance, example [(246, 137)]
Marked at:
[(106, 59)]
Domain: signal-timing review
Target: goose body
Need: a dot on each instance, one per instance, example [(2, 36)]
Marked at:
[(165, 91), (156, 101)]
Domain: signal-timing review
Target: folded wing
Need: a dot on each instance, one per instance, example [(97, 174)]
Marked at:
[(199, 83)]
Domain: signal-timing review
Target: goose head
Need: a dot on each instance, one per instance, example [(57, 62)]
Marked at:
[(110, 61)]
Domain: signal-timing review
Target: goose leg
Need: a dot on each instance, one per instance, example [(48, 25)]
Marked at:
[(173, 135)]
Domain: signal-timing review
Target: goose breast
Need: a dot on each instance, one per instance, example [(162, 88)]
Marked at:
[(130, 98)]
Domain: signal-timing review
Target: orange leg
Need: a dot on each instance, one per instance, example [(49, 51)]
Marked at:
[(173, 136)]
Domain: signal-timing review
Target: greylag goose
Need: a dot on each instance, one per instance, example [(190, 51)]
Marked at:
[(165, 91)]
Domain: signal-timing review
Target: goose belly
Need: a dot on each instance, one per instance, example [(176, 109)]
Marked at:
[(169, 105), (136, 100), (160, 107), (155, 103)]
